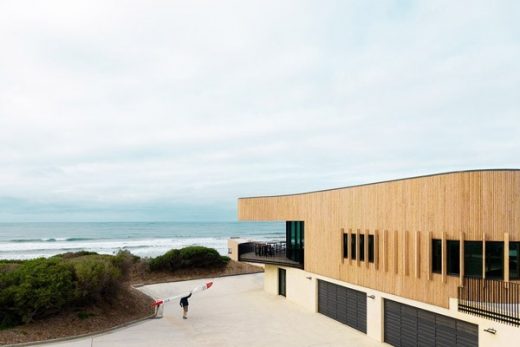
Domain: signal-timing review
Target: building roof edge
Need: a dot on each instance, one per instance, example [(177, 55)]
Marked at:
[(379, 182)]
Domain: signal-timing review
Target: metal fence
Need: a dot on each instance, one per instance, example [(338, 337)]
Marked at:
[(492, 299), (271, 253), (264, 249)]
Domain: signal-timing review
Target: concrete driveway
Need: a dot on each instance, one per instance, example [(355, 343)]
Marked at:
[(234, 312)]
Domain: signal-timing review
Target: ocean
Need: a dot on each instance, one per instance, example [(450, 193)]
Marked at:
[(32, 240)]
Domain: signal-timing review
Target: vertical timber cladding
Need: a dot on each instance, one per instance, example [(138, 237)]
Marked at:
[(472, 202), (410, 326), (343, 304)]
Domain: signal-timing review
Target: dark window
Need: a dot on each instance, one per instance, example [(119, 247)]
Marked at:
[(494, 260), (514, 260), (353, 246), (453, 257), (436, 256), (294, 235), (345, 245), (371, 248), (361, 247), (282, 283), (473, 258)]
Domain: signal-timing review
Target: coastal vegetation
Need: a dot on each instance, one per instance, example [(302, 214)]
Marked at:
[(188, 257), (39, 288)]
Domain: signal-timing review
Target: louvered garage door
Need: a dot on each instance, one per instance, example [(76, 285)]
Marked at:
[(409, 326), (343, 304)]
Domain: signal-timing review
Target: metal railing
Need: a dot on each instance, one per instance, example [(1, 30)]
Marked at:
[(270, 249), (264, 248), (492, 299), (274, 252)]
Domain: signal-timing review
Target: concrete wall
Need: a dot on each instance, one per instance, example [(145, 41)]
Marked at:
[(302, 290), (301, 286), (233, 247), (271, 279)]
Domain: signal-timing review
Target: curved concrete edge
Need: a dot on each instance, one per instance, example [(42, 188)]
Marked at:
[(92, 334)]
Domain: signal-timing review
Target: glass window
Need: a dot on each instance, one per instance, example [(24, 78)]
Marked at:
[(294, 234), (345, 245), (436, 256), (361, 247), (371, 248), (514, 260), (353, 247), (494, 260), (297, 234), (473, 258), (452, 248)]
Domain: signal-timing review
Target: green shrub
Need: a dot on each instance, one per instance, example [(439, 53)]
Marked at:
[(96, 279), (8, 267), (40, 287), (170, 260), (188, 257), (34, 289), (124, 260), (71, 255), (12, 261), (198, 256)]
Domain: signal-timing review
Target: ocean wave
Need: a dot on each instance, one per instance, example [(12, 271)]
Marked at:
[(141, 247), (51, 239), (25, 241)]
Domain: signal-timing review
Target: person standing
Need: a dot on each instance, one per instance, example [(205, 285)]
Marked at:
[(184, 304)]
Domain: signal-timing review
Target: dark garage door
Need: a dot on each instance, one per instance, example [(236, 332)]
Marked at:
[(343, 304), (409, 326)]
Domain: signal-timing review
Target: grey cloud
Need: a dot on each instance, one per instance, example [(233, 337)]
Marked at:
[(148, 106)]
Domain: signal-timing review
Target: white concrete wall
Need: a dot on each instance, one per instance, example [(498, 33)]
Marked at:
[(271, 279), (302, 288), (233, 247)]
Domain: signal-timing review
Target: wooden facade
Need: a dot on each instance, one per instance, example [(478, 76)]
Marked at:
[(403, 215)]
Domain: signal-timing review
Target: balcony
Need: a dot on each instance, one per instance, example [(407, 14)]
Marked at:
[(491, 299), (276, 253)]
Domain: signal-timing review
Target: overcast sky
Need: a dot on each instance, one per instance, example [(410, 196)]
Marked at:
[(171, 110)]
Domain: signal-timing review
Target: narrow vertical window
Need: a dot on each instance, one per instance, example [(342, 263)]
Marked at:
[(495, 260), (473, 259), (371, 248), (345, 245), (361, 247), (514, 260), (353, 247), (294, 234), (436, 256), (453, 257)]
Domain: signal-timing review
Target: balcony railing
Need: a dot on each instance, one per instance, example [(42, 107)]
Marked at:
[(492, 299), (270, 253)]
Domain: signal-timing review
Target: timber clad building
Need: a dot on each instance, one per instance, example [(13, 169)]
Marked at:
[(431, 260)]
